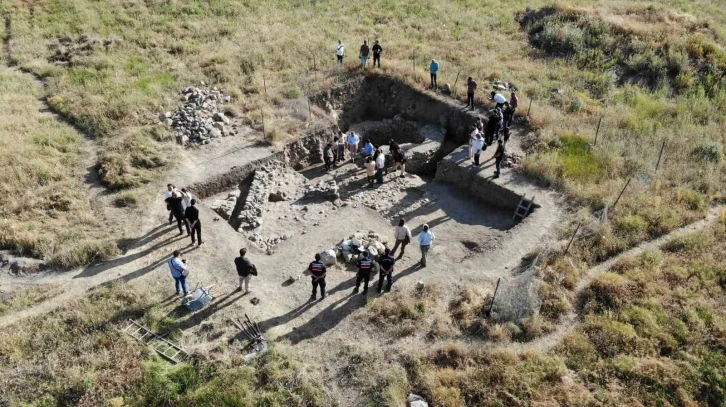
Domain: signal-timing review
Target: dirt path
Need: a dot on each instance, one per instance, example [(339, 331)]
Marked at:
[(571, 321)]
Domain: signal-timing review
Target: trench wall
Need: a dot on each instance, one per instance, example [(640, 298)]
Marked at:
[(379, 97), (306, 150)]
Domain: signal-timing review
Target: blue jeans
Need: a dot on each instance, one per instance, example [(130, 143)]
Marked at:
[(379, 175), (181, 280), (363, 61)]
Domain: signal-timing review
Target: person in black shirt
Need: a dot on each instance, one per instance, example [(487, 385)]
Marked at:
[(317, 272), (365, 266), (328, 156), (386, 263), (175, 203), (193, 222), (507, 113), (364, 51), (492, 128), (245, 270), (377, 51), (499, 157)]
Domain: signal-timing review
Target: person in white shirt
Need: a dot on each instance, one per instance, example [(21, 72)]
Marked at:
[(352, 142), (498, 99), (425, 240), (170, 189), (380, 165), (403, 237), (370, 167), (472, 137), (186, 198), (340, 51), (478, 147)]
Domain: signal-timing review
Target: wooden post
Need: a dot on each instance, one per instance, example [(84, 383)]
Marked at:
[(264, 82), (310, 111), (577, 229), (530, 107), (488, 311), (621, 194), (453, 90), (597, 131), (660, 155), (264, 133)]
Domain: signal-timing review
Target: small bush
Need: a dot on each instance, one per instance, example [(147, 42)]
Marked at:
[(612, 291), (710, 151), (292, 92)]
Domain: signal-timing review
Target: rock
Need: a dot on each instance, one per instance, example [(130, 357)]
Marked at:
[(223, 208), (446, 89), (255, 301), (420, 285), (220, 117), (215, 133), (291, 279), (219, 126), (338, 203), (277, 196), (414, 400), (328, 257)]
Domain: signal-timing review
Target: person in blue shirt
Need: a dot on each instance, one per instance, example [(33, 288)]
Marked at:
[(178, 269), (434, 69), (368, 149), (425, 240)]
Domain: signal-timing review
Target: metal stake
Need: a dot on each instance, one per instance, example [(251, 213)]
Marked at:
[(530, 107), (264, 134), (573, 237), (621, 194), (453, 90), (660, 155), (597, 131), (488, 312)]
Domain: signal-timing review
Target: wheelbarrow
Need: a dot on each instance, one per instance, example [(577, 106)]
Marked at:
[(198, 298)]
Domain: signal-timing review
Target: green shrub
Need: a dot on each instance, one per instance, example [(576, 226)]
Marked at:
[(292, 92), (709, 150)]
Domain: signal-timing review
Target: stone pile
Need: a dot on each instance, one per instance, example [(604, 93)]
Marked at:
[(512, 160), (503, 86), (349, 250), (323, 190), (250, 217), (201, 118)]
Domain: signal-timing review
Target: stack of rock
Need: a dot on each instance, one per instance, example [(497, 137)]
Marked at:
[(201, 118), (512, 160), (323, 190), (350, 249), (254, 205)]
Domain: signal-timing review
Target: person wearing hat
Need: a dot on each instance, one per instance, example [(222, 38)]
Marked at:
[(317, 272), (434, 70), (365, 266), (499, 157), (425, 240)]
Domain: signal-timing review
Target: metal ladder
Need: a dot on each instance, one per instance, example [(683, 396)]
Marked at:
[(523, 207), (167, 349)]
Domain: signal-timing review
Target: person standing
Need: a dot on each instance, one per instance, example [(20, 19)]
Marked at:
[(335, 151), (401, 158), (186, 198), (434, 70), (175, 202), (513, 104), (499, 157), (368, 149), (191, 215), (498, 99), (402, 234), (479, 124), (365, 266), (470, 89), (472, 138), (245, 270), (386, 263), (341, 147), (425, 240), (340, 51), (352, 142), (477, 148), (507, 113), (328, 156), (393, 152), (179, 272), (492, 129), (167, 196), (317, 272), (364, 51), (377, 51), (380, 165), (370, 167)]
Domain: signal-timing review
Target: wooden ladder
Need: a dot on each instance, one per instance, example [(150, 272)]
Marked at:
[(167, 349), (523, 207)]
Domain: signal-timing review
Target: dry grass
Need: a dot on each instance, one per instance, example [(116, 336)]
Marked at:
[(45, 211)]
